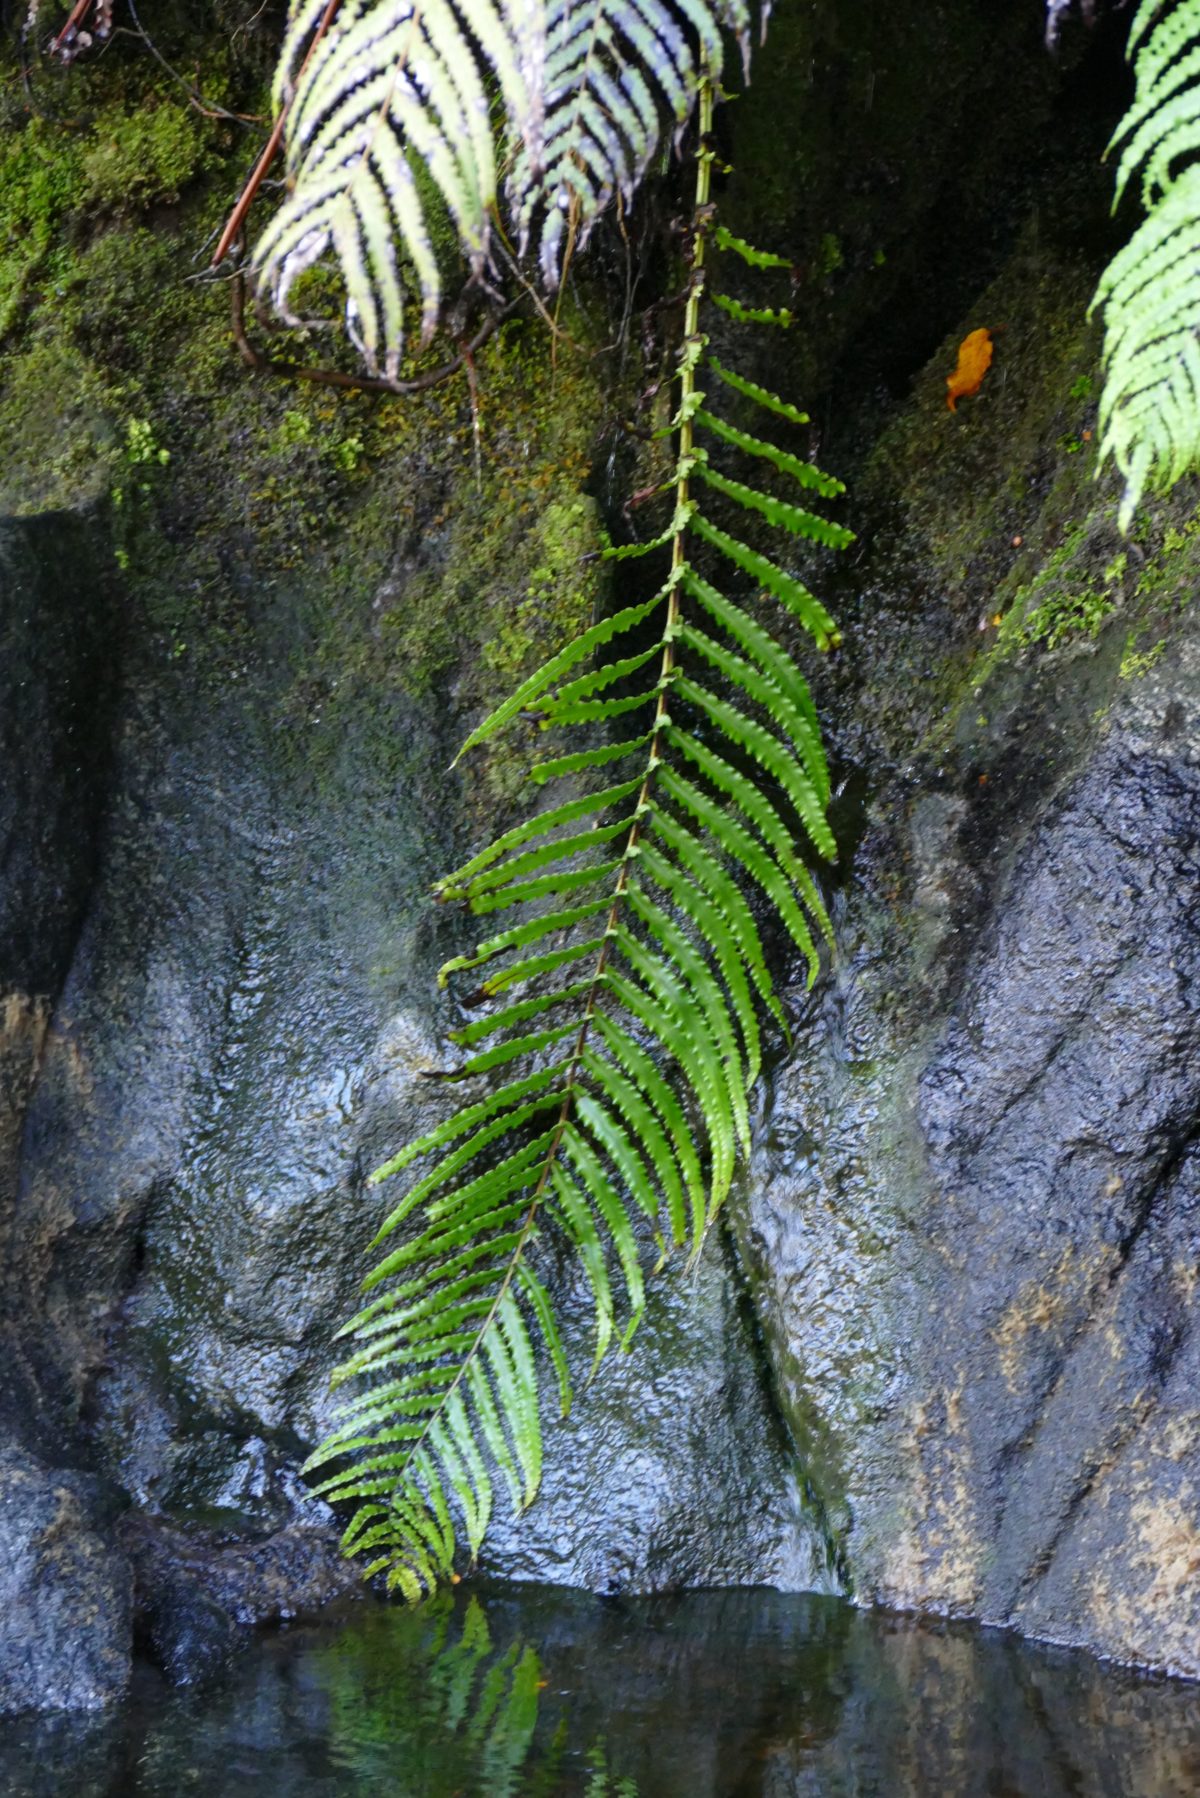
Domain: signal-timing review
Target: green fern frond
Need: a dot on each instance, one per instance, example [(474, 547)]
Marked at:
[(1150, 293), (614, 70), (387, 119), (632, 989), (392, 91)]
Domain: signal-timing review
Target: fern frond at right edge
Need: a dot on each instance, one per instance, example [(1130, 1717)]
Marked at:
[(1150, 292), (624, 977)]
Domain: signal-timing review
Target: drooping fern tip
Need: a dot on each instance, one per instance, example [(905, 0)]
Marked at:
[(626, 976)]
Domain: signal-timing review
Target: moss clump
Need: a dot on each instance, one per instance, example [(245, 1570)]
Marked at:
[(1168, 574), (560, 592), (39, 175), (1078, 589), (1068, 617), (60, 425), (1066, 601), (1135, 663), (113, 154), (513, 566), (137, 157)]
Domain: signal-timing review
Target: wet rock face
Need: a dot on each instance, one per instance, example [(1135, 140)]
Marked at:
[(237, 1032), (65, 1594), (58, 654), (1059, 1113), (976, 1218), (57, 681), (195, 1596), (972, 1219), (668, 1472), (970, 1225), (65, 1591)]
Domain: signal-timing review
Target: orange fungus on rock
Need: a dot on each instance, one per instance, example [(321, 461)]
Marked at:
[(974, 360)]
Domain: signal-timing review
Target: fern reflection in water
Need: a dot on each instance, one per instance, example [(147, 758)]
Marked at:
[(474, 1713), (630, 988)]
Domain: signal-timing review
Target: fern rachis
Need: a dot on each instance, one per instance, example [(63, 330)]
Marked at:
[(628, 995)]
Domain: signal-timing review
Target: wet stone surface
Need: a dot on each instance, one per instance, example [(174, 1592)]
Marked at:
[(65, 1593), (973, 1222), (238, 1033), (708, 1695), (966, 1249)]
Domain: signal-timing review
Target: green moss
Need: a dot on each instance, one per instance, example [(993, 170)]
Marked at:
[(512, 564), (59, 425), (1071, 598), (144, 155), (561, 590), (113, 154), (1065, 601), (830, 255), (39, 177), (1135, 662), (1064, 617), (398, 571), (1168, 573), (293, 428)]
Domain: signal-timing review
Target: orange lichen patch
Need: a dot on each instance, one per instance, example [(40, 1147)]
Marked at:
[(974, 360)]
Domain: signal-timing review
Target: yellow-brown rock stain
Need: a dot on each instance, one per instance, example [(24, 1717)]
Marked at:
[(935, 1562), (25, 1022), (1049, 1306), (1146, 1602)]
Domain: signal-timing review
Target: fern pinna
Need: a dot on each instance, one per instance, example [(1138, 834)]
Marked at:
[(628, 1030), (1150, 292)]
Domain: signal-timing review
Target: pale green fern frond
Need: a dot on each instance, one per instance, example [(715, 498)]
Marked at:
[(388, 116), (1150, 293), (614, 71), (620, 986), (389, 90)]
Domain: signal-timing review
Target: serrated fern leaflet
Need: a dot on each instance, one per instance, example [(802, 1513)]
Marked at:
[(629, 977)]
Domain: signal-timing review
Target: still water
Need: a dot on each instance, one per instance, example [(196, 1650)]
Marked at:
[(709, 1695)]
